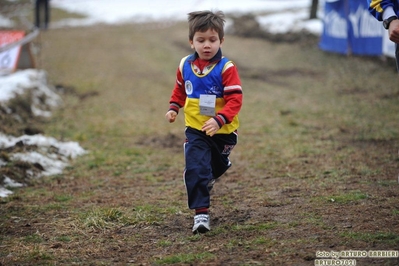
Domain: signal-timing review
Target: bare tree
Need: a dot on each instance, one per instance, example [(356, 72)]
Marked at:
[(313, 9)]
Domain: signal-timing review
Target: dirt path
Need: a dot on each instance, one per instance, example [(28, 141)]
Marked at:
[(315, 168)]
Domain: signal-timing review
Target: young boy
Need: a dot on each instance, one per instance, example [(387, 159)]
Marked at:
[(209, 88)]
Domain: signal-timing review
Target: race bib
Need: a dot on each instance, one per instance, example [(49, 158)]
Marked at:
[(207, 104)]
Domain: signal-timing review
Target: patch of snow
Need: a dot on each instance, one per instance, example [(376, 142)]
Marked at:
[(8, 182), (4, 192)]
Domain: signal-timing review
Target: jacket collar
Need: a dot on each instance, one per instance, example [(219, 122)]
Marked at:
[(216, 58)]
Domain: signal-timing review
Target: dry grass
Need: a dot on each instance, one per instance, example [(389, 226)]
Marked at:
[(315, 167)]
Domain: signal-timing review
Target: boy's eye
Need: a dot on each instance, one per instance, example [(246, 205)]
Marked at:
[(203, 40)]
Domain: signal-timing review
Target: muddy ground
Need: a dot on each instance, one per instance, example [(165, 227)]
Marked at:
[(304, 182)]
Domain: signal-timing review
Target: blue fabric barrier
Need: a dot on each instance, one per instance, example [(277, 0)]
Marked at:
[(350, 29)]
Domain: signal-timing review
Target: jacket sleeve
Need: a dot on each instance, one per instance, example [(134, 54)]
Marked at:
[(377, 8), (232, 95), (178, 98)]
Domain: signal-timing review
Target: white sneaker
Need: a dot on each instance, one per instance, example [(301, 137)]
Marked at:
[(201, 223)]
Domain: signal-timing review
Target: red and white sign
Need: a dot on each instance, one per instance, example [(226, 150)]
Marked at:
[(9, 58)]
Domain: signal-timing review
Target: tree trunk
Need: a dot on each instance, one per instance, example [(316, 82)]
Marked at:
[(313, 9)]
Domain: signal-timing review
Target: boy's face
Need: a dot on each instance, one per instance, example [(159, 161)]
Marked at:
[(206, 43)]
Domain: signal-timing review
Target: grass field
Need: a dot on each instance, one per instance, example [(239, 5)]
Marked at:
[(315, 169)]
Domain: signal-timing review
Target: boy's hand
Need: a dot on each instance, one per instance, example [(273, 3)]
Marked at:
[(171, 116), (210, 127)]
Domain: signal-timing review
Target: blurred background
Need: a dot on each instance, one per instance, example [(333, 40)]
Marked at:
[(343, 26)]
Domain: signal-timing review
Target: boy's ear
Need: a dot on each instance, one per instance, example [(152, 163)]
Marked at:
[(191, 43), (221, 41)]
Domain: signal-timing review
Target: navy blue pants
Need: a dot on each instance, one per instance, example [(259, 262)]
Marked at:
[(206, 158)]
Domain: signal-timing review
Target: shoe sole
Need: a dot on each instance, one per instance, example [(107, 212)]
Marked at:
[(201, 230), (211, 184), (214, 180)]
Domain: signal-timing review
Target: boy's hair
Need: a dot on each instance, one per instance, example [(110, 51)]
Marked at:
[(204, 20)]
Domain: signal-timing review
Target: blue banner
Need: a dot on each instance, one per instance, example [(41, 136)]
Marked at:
[(350, 29), (335, 28), (365, 32)]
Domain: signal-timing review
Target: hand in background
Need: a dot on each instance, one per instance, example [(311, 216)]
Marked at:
[(394, 31)]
